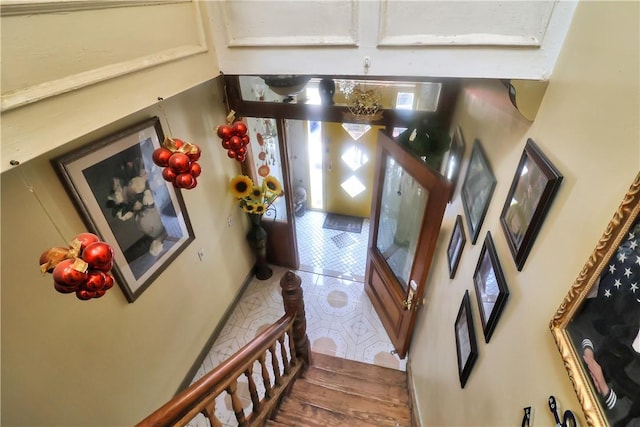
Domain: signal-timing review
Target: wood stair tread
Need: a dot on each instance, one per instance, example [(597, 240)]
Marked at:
[(374, 389), (359, 369), (296, 413), (273, 423), (357, 406)]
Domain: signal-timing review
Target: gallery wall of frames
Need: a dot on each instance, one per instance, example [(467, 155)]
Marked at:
[(535, 183), (596, 325)]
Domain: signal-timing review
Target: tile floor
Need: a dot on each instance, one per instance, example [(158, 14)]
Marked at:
[(340, 318), (331, 252)]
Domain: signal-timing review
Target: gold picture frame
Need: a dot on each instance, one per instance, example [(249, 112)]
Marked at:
[(583, 310)]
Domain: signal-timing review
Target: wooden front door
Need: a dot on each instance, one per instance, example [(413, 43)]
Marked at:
[(407, 210)]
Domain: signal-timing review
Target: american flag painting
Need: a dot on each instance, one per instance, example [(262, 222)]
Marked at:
[(606, 333)]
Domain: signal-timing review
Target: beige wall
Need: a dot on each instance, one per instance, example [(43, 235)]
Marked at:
[(61, 60), (106, 362), (588, 125)]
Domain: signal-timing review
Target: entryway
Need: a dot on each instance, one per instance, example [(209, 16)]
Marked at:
[(328, 251)]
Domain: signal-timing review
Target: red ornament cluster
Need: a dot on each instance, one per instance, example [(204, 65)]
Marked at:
[(179, 160), (82, 268), (234, 140)]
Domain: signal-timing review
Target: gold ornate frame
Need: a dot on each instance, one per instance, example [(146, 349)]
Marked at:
[(605, 249)]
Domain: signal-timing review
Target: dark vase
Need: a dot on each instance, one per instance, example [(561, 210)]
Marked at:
[(326, 88), (257, 238)]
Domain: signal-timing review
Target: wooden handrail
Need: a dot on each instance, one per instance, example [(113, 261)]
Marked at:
[(292, 355)]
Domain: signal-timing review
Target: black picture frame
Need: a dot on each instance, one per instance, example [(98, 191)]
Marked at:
[(477, 190), (491, 287), (532, 191), (456, 245), (456, 154), (466, 344), (121, 196)]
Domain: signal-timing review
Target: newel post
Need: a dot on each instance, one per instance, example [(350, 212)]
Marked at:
[(291, 285)]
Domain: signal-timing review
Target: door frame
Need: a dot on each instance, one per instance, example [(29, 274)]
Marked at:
[(329, 113)]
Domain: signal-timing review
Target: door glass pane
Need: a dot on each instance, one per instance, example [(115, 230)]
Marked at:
[(402, 208), (265, 153)]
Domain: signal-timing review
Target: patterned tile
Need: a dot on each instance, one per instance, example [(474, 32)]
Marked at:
[(340, 318)]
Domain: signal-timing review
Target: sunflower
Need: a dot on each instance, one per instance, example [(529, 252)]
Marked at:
[(272, 185), (256, 193), (249, 208), (260, 208), (241, 186)]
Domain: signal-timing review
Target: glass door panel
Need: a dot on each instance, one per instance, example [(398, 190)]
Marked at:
[(267, 161), (402, 208)]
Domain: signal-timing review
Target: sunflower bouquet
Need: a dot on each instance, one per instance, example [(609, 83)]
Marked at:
[(255, 199)]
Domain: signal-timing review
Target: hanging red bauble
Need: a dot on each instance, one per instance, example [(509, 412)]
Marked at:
[(184, 180), (239, 128), (98, 254), (233, 135), (177, 157), (224, 131), (161, 156), (70, 272), (195, 170), (82, 268), (179, 162)]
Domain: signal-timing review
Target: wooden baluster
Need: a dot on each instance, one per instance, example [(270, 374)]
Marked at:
[(236, 403), (209, 412), (253, 391), (294, 304), (275, 365), (283, 353), (266, 379)]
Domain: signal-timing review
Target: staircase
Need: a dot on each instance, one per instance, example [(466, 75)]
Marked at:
[(299, 389), (339, 392)]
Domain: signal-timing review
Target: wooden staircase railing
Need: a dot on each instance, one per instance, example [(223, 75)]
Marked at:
[(286, 343)]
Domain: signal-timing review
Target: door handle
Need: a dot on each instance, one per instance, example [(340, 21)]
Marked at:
[(409, 303)]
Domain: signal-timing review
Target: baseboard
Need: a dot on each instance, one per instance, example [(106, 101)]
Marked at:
[(186, 382), (415, 416)]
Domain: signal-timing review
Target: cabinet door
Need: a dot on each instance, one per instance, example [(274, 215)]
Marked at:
[(407, 210)]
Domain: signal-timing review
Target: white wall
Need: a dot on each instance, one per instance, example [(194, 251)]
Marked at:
[(105, 361), (588, 125)]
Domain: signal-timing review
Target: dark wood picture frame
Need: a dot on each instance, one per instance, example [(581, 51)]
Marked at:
[(121, 196), (532, 191), (477, 190), (491, 287), (466, 344), (601, 313), (454, 161), (456, 245)]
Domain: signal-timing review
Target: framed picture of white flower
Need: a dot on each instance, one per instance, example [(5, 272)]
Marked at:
[(121, 196)]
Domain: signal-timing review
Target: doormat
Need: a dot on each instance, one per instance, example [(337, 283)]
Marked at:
[(344, 240), (352, 224)]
